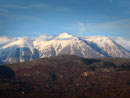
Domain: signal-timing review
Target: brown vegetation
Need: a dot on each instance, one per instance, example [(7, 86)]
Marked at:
[(67, 76)]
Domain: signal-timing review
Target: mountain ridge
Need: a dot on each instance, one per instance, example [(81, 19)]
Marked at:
[(26, 49)]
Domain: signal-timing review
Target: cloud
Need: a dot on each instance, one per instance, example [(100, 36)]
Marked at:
[(79, 27), (44, 38), (82, 27), (5, 39), (14, 6)]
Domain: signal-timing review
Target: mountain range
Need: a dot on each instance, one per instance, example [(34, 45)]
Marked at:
[(26, 48)]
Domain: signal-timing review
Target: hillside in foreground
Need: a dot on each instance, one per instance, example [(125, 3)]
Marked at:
[(66, 76)]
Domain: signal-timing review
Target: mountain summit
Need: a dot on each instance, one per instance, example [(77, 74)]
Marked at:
[(108, 45), (26, 49), (64, 36)]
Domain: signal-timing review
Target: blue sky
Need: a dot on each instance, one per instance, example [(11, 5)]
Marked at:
[(52, 17)]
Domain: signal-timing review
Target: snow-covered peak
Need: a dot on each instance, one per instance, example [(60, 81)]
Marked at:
[(108, 45), (26, 48), (122, 42), (44, 38), (21, 42), (101, 40), (65, 36)]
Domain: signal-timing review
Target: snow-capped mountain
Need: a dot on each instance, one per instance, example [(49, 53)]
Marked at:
[(66, 44), (26, 49), (5, 40), (109, 46), (122, 42), (20, 50)]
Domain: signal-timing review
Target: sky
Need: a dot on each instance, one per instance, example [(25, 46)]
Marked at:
[(52, 17)]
